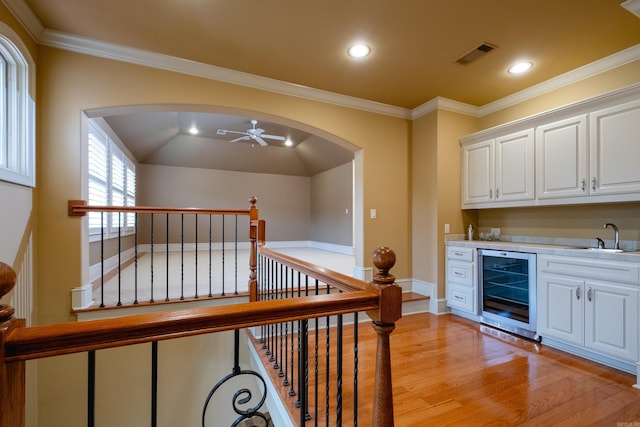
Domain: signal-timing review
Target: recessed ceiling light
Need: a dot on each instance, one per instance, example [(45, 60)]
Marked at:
[(288, 143), (359, 51), (193, 130), (520, 67)]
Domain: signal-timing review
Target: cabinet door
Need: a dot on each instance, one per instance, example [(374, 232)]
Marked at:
[(611, 320), (477, 172), (614, 144), (560, 308), (561, 159), (514, 167)]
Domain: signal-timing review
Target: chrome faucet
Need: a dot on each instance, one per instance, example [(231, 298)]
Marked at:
[(617, 242), (600, 243)]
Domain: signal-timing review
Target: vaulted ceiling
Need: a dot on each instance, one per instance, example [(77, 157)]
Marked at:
[(415, 45)]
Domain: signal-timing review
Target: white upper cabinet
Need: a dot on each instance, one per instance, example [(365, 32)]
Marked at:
[(498, 171), (515, 166), (587, 152), (615, 149), (478, 168), (561, 159)]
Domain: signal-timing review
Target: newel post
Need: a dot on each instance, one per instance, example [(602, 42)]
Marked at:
[(384, 323), (12, 375), (253, 254)]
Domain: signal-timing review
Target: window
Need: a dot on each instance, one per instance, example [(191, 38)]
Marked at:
[(17, 113), (112, 182)]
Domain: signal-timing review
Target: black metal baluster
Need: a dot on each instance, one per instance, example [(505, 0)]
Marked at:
[(166, 298), (91, 388), (101, 259), (151, 299), (135, 260), (236, 259), (327, 360), (315, 387), (119, 259), (210, 270), (181, 257), (303, 393), (196, 256), (355, 369), (339, 373), (222, 253), (154, 383)]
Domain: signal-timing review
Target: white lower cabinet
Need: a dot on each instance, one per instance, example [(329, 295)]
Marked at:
[(462, 292), (590, 312)]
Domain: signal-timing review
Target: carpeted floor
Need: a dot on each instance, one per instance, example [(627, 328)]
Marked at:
[(189, 274)]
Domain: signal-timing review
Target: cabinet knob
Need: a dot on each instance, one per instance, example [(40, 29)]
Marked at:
[(593, 183), (590, 294), (583, 185), (497, 193), (491, 194), (578, 292)]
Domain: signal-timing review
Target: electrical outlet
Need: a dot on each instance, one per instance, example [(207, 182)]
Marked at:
[(447, 228), (373, 214), (495, 231)]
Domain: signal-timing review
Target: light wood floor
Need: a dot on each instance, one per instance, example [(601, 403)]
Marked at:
[(451, 371)]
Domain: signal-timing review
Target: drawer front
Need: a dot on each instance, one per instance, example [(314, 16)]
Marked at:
[(462, 298), (460, 254), (590, 268), (460, 272)]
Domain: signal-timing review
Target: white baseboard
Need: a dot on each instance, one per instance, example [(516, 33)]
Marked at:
[(363, 273), (82, 297), (95, 270)]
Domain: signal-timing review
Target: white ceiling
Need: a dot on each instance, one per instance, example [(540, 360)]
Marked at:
[(415, 45)]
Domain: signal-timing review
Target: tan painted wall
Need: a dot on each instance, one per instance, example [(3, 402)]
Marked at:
[(451, 127), (287, 217), (331, 198), (436, 190), (70, 83), (424, 194)]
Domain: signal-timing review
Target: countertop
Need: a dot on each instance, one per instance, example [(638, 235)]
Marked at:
[(556, 248)]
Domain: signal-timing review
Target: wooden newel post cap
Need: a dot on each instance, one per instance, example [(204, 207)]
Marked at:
[(7, 282), (384, 259), (252, 201)]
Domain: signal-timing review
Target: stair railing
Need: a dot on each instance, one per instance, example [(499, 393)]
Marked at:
[(380, 299)]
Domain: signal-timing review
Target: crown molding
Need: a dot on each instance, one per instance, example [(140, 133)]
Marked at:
[(26, 17), (598, 67), (632, 6), (97, 48), (440, 103), (170, 63)]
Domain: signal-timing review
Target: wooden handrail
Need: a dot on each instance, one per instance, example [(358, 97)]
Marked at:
[(74, 337), (81, 208), (324, 275)]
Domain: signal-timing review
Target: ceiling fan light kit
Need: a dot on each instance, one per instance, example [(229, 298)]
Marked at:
[(253, 133)]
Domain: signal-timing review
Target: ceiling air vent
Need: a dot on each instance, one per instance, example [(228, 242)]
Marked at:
[(476, 53)]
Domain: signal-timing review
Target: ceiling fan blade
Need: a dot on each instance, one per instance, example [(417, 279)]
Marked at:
[(231, 131), (260, 141), (278, 137), (242, 138)]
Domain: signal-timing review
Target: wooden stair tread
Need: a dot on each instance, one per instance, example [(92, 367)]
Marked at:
[(412, 296)]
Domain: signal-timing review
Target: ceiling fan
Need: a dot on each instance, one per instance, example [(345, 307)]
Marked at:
[(254, 133)]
